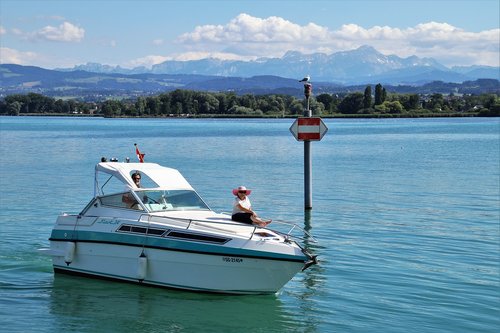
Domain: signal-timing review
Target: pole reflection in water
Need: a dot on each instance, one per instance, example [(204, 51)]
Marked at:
[(313, 284)]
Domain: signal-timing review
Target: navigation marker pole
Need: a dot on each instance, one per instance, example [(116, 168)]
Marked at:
[(307, 129), (307, 154)]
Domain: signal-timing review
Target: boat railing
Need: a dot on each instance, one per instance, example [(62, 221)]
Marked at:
[(293, 227), (291, 230)]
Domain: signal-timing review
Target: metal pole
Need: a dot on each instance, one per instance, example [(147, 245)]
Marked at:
[(307, 175), (307, 166)]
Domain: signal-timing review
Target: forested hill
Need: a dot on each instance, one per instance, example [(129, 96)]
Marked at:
[(83, 85)]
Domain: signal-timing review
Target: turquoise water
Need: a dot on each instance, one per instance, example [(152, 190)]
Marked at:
[(406, 212)]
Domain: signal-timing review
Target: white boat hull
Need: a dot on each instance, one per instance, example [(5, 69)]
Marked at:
[(176, 269)]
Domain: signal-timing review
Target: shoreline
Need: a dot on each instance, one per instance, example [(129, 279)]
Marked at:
[(228, 116)]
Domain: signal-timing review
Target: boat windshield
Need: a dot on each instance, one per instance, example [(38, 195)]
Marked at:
[(163, 200)]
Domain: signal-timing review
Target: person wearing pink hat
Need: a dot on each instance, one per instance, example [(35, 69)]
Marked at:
[(242, 208)]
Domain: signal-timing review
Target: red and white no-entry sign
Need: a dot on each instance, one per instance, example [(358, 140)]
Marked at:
[(310, 128)]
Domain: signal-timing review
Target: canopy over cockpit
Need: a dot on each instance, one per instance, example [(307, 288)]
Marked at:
[(159, 176)]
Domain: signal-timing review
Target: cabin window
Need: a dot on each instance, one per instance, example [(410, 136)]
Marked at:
[(141, 230), (163, 200), (107, 184), (121, 200), (146, 182), (196, 237)]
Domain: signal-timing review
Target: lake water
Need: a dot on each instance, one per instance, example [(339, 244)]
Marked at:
[(406, 212)]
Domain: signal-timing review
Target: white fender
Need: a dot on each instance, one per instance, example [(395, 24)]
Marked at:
[(142, 266), (69, 254)]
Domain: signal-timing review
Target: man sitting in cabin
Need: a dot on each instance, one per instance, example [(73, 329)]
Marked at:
[(128, 198)]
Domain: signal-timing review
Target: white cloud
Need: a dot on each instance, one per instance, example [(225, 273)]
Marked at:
[(28, 58), (248, 29), (11, 56), (147, 61), (249, 36), (65, 32), (252, 36), (158, 42), (2, 30)]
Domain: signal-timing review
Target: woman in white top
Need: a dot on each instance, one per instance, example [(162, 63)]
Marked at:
[(242, 208)]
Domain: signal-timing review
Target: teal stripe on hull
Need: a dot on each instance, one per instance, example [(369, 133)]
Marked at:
[(166, 244)]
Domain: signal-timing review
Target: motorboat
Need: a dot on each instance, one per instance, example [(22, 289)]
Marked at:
[(163, 234)]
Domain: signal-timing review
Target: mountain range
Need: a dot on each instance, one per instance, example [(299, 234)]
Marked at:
[(341, 72), (364, 65)]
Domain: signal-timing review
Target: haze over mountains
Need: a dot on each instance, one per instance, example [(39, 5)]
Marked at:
[(364, 65)]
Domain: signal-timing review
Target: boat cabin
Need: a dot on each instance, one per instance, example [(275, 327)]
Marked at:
[(160, 189)]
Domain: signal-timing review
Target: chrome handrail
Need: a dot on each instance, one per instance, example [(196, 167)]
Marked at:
[(292, 227)]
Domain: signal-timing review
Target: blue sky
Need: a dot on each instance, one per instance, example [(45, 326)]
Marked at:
[(55, 34)]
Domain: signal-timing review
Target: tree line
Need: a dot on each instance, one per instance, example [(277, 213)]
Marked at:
[(194, 103)]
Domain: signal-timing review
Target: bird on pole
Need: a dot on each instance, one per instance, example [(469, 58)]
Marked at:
[(306, 79)]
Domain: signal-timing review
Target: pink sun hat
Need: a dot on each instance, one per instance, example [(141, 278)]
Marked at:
[(241, 188)]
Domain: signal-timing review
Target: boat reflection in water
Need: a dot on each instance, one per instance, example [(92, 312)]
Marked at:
[(163, 234), (102, 306)]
